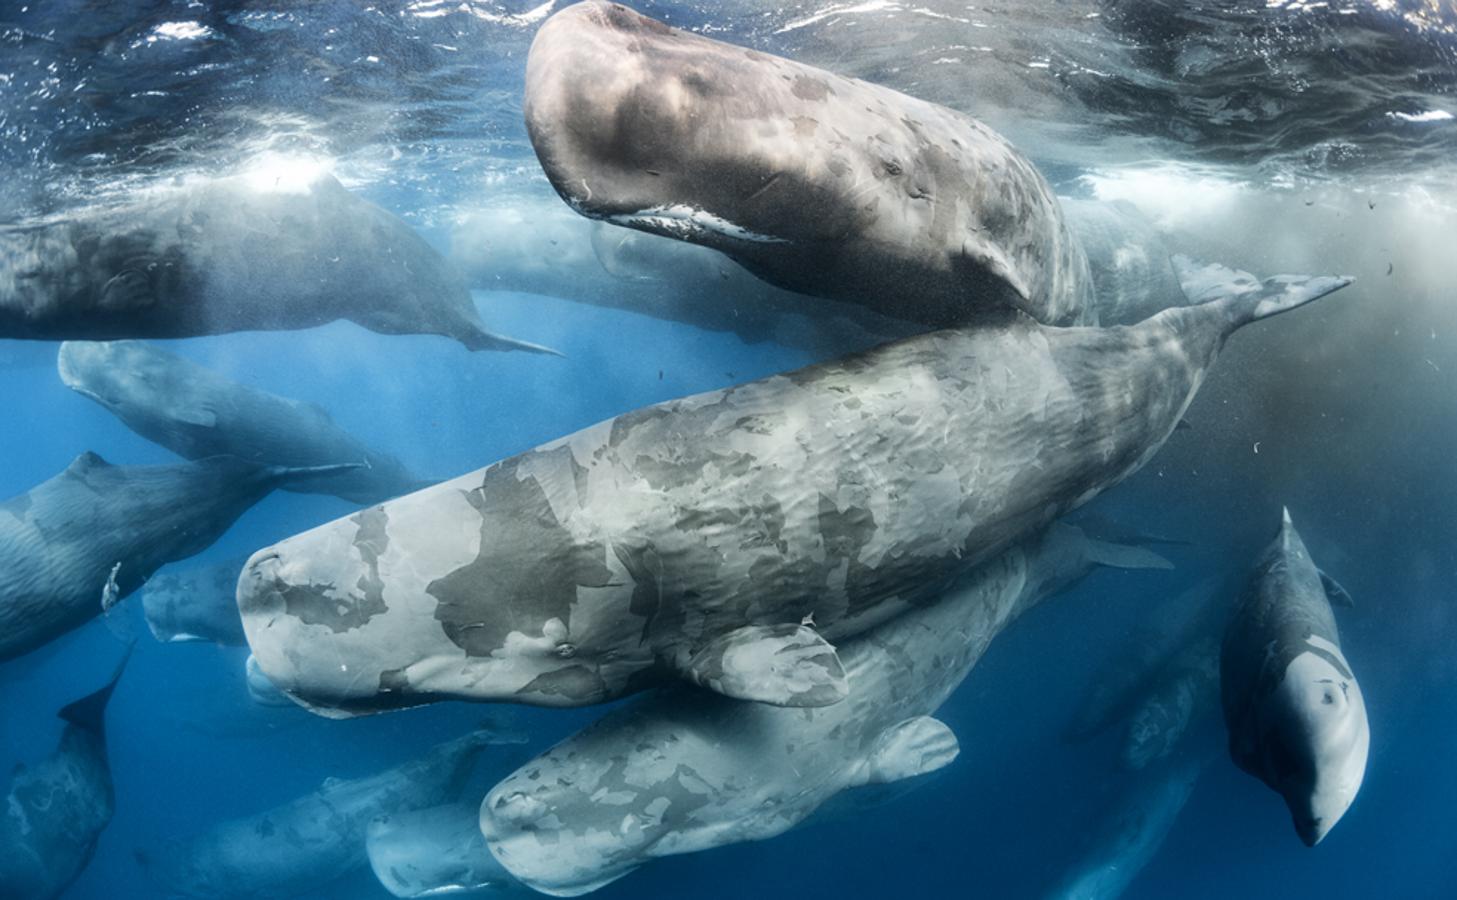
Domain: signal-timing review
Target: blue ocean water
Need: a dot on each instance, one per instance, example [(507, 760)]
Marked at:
[(1273, 139)]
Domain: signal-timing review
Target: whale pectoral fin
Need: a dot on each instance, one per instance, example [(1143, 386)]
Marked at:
[(783, 665), (1337, 595), (914, 747), (199, 414), (1124, 556)]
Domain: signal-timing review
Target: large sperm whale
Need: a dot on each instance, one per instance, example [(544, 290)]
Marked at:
[(674, 773), (437, 852), (94, 533), (195, 603), (815, 182), (195, 412), (1295, 714), (57, 808), (728, 538), (235, 253)]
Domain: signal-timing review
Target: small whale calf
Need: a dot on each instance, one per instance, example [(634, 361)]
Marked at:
[(195, 603), (238, 253), (676, 773), (437, 852), (194, 412), (695, 538), (99, 531), (57, 808), (815, 182), (1295, 714), (297, 848)]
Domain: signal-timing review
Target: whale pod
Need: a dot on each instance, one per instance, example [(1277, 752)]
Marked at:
[(730, 538)]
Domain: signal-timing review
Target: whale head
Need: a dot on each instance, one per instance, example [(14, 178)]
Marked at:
[(126, 377), (1316, 740)]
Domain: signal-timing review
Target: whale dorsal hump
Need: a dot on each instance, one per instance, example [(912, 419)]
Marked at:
[(1337, 595), (86, 462), (783, 665), (913, 747)]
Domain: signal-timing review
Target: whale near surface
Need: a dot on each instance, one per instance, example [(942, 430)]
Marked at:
[(674, 773), (235, 253), (1294, 710), (696, 538), (99, 530), (195, 412), (815, 182), (56, 809), (296, 848)]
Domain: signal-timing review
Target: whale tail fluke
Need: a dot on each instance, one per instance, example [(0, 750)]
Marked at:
[(90, 711), (1246, 298)]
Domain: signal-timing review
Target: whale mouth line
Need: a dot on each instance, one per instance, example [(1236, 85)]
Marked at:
[(685, 222)]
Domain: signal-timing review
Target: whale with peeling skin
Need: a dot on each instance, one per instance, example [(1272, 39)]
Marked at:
[(297, 848), (1295, 714), (195, 412), (96, 532), (673, 773), (815, 182), (237, 253), (729, 538)]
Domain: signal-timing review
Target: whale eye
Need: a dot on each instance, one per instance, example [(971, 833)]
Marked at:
[(566, 651)]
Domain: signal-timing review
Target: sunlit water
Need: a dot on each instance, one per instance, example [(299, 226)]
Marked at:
[(1276, 137)]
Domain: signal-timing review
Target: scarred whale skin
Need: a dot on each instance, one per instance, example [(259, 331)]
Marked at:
[(295, 849), (437, 852), (699, 537), (815, 182), (56, 809), (231, 254), (1295, 713), (676, 773), (195, 412), (98, 528)]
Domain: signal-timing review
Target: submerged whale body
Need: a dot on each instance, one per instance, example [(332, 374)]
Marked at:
[(299, 847), (727, 538), (1295, 714), (194, 412), (57, 808), (687, 773), (437, 852), (238, 253), (196, 603), (94, 533), (815, 182)]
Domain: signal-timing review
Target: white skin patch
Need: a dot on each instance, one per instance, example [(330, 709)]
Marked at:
[(681, 221), (1332, 717)]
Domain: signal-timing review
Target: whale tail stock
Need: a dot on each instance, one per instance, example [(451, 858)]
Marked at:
[(1243, 297), (90, 711)]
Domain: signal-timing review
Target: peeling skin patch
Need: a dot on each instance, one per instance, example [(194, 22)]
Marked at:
[(527, 555), (341, 611)]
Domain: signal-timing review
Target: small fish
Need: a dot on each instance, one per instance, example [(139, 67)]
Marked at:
[(110, 593)]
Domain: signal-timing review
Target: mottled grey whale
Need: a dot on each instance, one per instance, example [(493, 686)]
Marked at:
[(701, 537), (1295, 714), (99, 530), (677, 773), (57, 808), (236, 253), (195, 412), (299, 847), (815, 182)]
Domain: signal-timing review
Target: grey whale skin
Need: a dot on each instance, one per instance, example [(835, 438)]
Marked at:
[(57, 808), (301, 846), (1295, 714), (61, 541), (692, 538), (674, 773), (814, 182), (231, 254), (437, 852), (195, 412), (195, 603)]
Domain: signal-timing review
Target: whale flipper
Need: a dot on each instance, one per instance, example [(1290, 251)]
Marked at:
[(196, 413), (783, 665), (1124, 556), (1337, 595), (914, 747)]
